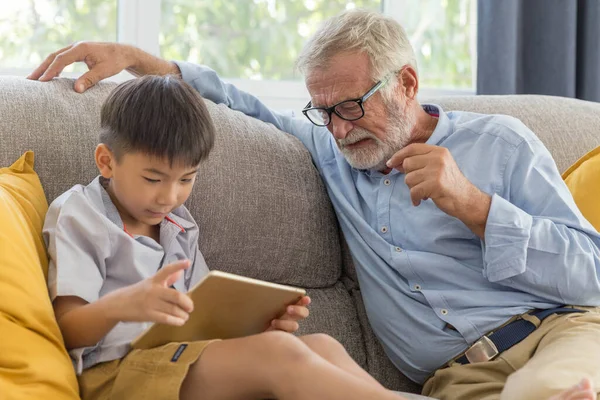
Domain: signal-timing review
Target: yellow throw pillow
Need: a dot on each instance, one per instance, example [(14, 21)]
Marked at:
[(583, 180), (34, 363)]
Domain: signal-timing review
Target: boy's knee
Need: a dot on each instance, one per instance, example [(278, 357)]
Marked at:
[(282, 346), (322, 343)]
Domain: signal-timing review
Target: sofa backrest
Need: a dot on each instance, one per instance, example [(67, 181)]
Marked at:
[(259, 201), (262, 209)]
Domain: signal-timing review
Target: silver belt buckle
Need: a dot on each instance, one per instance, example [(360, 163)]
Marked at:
[(482, 350)]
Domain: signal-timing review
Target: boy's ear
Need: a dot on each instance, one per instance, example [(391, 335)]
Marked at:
[(105, 160)]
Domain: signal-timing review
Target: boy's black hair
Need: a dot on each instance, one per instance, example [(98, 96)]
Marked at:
[(161, 116)]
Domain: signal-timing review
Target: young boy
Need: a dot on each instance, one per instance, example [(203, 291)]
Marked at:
[(123, 252)]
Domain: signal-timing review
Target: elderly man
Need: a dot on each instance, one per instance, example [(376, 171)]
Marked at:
[(467, 244)]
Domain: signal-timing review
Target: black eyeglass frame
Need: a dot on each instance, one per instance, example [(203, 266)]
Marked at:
[(332, 109)]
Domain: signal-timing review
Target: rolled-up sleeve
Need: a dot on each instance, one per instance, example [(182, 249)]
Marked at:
[(536, 239), (78, 244)]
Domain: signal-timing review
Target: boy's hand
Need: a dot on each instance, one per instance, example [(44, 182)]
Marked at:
[(288, 322), (153, 299)]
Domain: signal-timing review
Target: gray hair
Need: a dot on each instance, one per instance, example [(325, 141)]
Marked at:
[(382, 38)]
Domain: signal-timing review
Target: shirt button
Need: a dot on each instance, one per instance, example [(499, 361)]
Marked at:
[(417, 287), (444, 311), (384, 229), (398, 249), (387, 182)]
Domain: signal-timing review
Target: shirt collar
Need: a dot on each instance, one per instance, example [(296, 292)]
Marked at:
[(442, 129)]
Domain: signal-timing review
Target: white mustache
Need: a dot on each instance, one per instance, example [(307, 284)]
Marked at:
[(356, 137)]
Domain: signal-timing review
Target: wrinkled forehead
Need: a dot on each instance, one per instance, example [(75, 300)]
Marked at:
[(344, 77)]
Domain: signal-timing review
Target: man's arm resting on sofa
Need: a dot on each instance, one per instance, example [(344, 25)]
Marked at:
[(108, 59), (104, 60)]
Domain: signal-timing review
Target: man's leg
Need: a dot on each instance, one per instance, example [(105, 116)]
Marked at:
[(568, 352), (272, 365), (481, 381), (487, 380)]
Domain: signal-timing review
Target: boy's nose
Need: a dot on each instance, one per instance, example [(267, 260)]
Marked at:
[(167, 198)]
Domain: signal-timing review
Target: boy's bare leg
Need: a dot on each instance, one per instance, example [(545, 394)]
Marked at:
[(272, 365), (333, 351)]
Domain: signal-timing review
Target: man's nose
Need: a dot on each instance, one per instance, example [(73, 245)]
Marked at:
[(339, 127)]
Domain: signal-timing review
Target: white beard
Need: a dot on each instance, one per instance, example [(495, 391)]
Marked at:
[(374, 156)]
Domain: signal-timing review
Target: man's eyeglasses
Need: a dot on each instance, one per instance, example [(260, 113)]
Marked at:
[(349, 110)]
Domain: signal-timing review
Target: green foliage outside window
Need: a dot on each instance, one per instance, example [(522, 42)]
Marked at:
[(248, 39)]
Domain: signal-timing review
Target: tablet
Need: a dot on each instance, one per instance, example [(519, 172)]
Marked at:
[(226, 306)]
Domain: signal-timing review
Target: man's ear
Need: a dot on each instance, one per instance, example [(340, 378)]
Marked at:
[(105, 160), (409, 81)]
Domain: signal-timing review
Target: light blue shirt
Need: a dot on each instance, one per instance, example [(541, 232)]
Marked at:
[(420, 269)]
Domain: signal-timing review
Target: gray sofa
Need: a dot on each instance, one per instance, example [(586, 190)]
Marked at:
[(261, 206)]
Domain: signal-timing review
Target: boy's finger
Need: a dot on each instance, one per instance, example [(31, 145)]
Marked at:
[(285, 325), (165, 272), (164, 318), (304, 301), (174, 277), (181, 300), (297, 312), (172, 310)]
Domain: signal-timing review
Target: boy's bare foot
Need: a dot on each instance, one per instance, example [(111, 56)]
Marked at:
[(582, 391)]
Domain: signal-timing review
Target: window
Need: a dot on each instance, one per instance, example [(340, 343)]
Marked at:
[(245, 39), (443, 34), (251, 43), (261, 39), (30, 30)]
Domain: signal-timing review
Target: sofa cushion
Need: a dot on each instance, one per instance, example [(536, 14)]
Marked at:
[(583, 180), (33, 361)]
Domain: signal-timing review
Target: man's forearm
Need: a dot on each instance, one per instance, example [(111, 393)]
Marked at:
[(86, 325), (143, 63), (474, 213)]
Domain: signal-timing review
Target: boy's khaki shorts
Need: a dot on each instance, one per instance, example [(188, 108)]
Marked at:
[(142, 374)]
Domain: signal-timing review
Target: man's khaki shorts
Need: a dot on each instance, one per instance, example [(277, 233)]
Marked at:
[(142, 374)]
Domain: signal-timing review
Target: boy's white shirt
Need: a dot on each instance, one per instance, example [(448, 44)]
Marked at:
[(91, 254)]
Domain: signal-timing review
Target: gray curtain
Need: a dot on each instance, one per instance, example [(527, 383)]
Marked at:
[(547, 47)]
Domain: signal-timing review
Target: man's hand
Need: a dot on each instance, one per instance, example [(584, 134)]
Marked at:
[(103, 60), (432, 173), (288, 322), (153, 299)]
